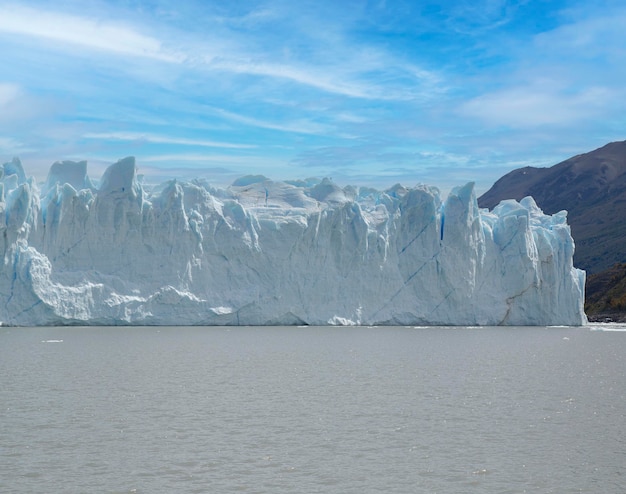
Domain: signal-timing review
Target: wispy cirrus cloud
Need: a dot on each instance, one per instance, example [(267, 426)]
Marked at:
[(356, 73), (204, 158), (303, 126), (83, 31), (538, 105), (380, 89), (356, 81), (8, 93), (564, 77), (307, 77), (584, 33), (161, 139), (222, 168)]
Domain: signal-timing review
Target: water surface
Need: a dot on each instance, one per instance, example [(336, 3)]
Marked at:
[(328, 410)]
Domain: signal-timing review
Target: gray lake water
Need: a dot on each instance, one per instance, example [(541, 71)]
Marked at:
[(306, 410)]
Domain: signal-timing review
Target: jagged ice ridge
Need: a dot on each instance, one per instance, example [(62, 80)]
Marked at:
[(275, 253)]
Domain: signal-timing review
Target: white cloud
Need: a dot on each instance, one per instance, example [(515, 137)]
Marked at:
[(9, 143), (196, 164), (306, 76), (534, 105), (198, 157), (597, 33), (8, 93), (159, 139), (351, 70), (84, 32), (298, 127)]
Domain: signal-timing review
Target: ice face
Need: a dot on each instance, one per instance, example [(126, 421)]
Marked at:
[(265, 252), (73, 173), (13, 167)]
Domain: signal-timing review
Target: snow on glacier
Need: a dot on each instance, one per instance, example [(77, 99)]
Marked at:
[(263, 252)]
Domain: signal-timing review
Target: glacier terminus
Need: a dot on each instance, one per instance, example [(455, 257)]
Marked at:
[(263, 252)]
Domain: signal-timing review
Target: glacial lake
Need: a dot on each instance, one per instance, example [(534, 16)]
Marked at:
[(313, 410)]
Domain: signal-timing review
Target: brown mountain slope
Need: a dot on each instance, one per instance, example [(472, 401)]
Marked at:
[(605, 298), (592, 188)]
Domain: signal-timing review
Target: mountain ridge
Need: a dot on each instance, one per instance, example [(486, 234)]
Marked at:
[(591, 187)]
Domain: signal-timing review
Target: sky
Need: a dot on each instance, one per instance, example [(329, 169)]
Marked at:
[(369, 93)]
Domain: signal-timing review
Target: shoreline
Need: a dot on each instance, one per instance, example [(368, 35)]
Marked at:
[(618, 317)]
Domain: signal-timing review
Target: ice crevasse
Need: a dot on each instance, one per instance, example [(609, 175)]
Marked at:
[(262, 252)]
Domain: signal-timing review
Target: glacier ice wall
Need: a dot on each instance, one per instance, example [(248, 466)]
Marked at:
[(263, 252)]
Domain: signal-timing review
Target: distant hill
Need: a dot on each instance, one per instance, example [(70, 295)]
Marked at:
[(592, 188)]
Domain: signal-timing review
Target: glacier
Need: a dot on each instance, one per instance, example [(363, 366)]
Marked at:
[(263, 252)]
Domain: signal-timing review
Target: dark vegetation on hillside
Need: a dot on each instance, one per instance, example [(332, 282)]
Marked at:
[(605, 298), (592, 188)]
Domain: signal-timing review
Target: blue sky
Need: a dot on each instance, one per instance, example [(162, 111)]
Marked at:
[(365, 92)]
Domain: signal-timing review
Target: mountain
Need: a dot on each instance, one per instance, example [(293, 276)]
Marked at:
[(592, 188), (606, 295), (263, 252)]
